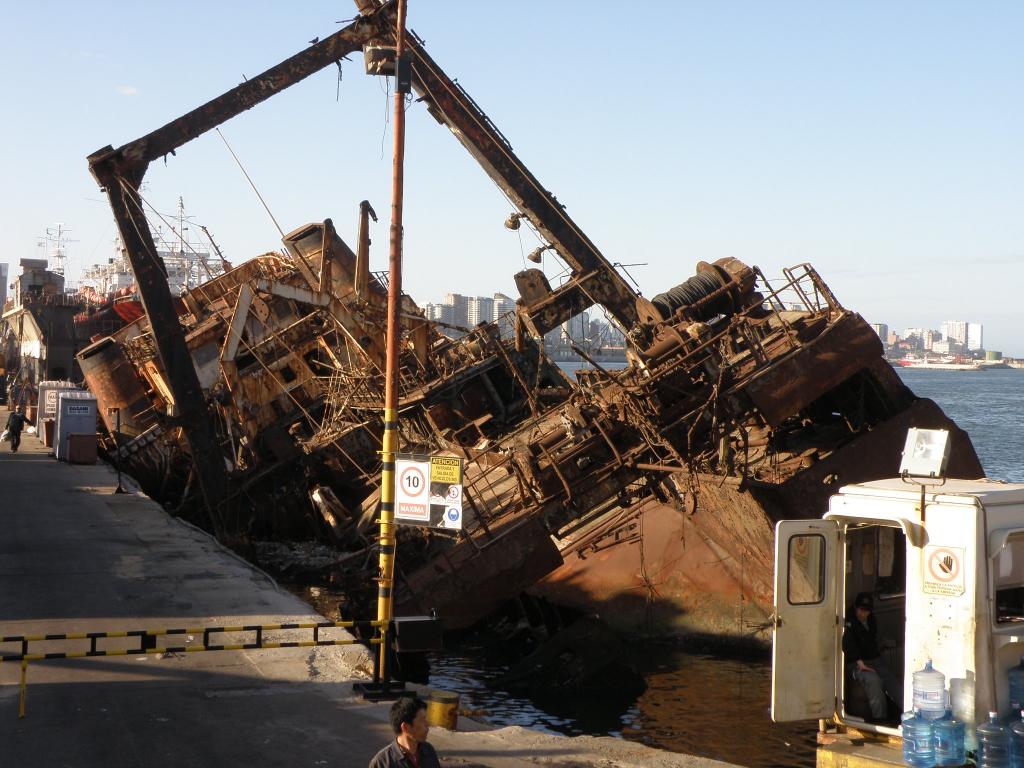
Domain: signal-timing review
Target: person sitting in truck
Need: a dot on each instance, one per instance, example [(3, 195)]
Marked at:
[(865, 662)]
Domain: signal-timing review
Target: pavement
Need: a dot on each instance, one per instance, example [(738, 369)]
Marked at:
[(75, 557)]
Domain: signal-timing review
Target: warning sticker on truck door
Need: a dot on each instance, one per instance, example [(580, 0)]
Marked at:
[(943, 570)]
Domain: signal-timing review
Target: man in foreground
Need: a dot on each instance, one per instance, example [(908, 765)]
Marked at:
[(410, 748)]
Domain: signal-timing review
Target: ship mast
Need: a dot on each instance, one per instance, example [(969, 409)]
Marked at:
[(54, 244)]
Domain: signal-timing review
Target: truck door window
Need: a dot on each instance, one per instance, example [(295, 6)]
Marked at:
[(1009, 582), (806, 570)]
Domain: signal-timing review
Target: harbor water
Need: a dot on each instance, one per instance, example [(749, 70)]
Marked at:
[(693, 700)]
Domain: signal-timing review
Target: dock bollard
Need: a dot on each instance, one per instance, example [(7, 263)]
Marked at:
[(443, 709)]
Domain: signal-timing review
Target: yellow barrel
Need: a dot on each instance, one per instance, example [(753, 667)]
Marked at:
[(443, 709)]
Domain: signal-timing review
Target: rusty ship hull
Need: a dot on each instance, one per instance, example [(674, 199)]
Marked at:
[(647, 494)]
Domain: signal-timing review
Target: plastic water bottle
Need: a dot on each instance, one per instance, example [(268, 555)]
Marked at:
[(961, 700), (930, 692), (993, 744), (1016, 679), (949, 741), (1017, 743), (918, 740)]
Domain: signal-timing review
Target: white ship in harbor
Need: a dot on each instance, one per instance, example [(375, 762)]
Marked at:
[(949, 363), (946, 363)]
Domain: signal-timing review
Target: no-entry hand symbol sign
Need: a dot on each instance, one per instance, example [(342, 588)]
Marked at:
[(943, 570)]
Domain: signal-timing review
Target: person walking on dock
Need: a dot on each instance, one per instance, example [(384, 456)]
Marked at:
[(15, 423), (410, 748)]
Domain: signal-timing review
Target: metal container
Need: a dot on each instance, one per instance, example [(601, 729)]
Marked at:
[(443, 709), (112, 378), (76, 415), (82, 448)]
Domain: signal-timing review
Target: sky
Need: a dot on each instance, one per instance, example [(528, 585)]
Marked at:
[(878, 141)]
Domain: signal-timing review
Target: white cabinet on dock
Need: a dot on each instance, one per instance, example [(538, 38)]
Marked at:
[(76, 415)]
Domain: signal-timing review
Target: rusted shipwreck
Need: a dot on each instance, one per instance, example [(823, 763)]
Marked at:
[(647, 494)]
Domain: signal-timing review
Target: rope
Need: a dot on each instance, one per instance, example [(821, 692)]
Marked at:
[(251, 184)]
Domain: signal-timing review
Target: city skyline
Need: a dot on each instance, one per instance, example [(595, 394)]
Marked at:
[(952, 337), (457, 312), (845, 136)]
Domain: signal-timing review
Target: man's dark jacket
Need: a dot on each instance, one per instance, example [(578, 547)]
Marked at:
[(860, 642), (15, 422), (392, 756)]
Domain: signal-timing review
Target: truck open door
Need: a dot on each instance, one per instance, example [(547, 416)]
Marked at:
[(806, 630)]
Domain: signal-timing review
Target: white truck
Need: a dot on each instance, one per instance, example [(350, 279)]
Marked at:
[(944, 561)]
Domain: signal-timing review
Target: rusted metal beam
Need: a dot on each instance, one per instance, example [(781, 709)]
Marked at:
[(164, 140), (188, 409), (450, 104), (361, 279)]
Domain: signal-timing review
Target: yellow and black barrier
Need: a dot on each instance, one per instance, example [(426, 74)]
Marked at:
[(147, 643)]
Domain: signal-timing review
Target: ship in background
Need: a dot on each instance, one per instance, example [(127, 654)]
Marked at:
[(48, 318), (951, 363), (111, 295), (37, 332)]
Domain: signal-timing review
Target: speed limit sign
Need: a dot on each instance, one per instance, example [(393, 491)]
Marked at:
[(412, 486)]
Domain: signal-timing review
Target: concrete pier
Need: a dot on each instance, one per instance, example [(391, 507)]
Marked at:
[(74, 557)]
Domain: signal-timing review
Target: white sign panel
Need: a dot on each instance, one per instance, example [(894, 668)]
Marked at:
[(428, 491), (412, 490), (943, 570)]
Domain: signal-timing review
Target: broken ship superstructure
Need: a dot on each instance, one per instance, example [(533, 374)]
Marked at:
[(650, 492)]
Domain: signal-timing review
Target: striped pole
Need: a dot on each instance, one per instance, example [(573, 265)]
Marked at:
[(390, 442)]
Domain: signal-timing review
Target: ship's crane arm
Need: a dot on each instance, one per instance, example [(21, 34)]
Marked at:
[(594, 280)]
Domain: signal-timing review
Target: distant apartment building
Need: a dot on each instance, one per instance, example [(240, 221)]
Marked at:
[(460, 308), (576, 329), (440, 313), (921, 339), (914, 339), (503, 307), (3, 285), (479, 309), (882, 330), (975, 337), (955, 330)]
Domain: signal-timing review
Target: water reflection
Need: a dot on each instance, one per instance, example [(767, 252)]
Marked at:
[(699, 705), (717, 708)]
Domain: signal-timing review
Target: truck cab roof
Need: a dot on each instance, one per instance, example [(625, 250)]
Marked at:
[(988, 492)]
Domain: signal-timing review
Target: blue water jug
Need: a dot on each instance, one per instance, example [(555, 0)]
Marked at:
[(1016, 679), (949, 741), (918, 740), (993, 744), (1017, 743)]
